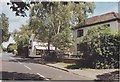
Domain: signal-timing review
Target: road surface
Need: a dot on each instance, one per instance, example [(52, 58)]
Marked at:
[(14, 68)]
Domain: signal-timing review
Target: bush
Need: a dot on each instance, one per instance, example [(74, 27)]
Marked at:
[(23, 51), (54, 56), (4, 49), (11, 48), (100, 48)]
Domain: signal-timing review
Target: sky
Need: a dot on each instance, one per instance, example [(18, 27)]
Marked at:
[(15, 22)]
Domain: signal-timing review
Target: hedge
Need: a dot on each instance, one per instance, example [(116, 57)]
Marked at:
[(100, 48)]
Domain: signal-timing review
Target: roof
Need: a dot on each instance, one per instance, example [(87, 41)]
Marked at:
[(44, 47), (112, 16)]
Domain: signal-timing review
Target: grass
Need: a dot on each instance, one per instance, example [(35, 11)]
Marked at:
[(64, 64)]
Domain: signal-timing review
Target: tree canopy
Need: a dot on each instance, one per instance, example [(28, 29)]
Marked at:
[(4, 24), (20, 7), (52, 21), (22, 37)]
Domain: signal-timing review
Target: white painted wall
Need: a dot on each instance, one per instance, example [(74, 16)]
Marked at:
[(114, 26), (38, 45), (10, 41)]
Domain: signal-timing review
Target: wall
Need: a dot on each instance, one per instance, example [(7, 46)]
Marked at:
[(119, 25), (114, 26)]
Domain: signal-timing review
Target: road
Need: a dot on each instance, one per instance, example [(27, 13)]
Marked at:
[(13, 68)]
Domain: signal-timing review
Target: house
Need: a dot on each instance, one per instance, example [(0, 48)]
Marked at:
[(111, 19), (10, 41), (37, 49)]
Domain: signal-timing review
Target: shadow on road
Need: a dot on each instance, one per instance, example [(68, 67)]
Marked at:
[(109, 76), (28, 60), (19, 76)]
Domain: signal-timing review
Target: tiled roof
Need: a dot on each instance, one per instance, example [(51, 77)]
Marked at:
[(99, 19)]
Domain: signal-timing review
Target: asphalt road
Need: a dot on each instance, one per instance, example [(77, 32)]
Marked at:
[(13, 67)]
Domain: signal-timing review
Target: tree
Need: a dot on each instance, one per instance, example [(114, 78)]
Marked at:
[(20, 7), (22, 39), (11, 48), (4, 24), (53, 21)]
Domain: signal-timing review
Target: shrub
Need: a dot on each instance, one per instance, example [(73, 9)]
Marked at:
[(11, 48), (4, 49), (100, 48), (54, 56)]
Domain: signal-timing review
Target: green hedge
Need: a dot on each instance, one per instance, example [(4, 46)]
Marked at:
[(11, 48), (100, 48)]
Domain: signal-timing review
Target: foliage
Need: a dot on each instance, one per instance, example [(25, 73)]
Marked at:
[(100, 48), (54, 56), (11, 48), (4, 25), (52, 21), (20, 7), (22, 39)]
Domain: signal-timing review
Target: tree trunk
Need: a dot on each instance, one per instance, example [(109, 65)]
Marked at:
[(48, 46), (49, 41), (55, 48)]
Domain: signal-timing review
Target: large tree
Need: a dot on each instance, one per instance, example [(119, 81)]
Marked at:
[(20, 7), (52, 21), (22, 39), (4, 24)]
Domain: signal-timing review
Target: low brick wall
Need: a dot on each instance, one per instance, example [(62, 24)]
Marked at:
[(70, 60)]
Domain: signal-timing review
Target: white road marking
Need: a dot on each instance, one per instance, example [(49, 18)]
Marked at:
[(27, 67), (12, 58), (42, 76)]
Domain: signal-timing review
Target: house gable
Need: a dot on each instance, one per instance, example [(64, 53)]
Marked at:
[(96, 20), (110, 19)]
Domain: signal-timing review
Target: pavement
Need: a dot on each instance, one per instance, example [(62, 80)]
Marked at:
[(53, 71), (88, 73), (16, 68)]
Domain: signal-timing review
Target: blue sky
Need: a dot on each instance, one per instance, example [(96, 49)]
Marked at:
[(105, 7), (16, 22)]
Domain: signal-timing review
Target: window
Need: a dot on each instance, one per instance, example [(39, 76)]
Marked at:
[(79, 33)]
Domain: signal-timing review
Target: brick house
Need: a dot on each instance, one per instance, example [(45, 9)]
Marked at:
[(111, 19)]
